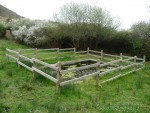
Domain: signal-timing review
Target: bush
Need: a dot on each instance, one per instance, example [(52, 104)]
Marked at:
[(31, 32), (2, 30)]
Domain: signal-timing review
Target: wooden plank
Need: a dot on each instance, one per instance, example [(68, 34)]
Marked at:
[(27, 67), (95, 55), (141, 59), (12, 57), (140, 63), (120, 75), (131, 58), (27, 49), (78, 79), (66, 49), (11, 51), (26, 58), (94, 51), (45, 64), (110, 63), (44, 53), (48, 49), (45, 74), (126, 56), (111, 55), (109, 70), (133, 64), (125, 67), (67, 52), (80, 68)]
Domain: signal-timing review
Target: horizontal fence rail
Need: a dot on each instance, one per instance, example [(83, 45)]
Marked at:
[(45, 64)]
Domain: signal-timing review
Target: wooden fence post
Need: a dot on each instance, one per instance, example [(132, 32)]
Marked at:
[(7, 56), (121, 56), (144, 59), (97, 76), (120, 65), (58, 53), (58, 78), (34, 65), (135, 62), (74, 52), (101, 54), (35, 53), (88, 51), (19, 53)]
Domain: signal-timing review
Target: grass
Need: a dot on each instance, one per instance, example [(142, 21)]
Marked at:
[(20, 92)]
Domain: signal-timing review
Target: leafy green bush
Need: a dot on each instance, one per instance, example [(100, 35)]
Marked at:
[(2, 30)]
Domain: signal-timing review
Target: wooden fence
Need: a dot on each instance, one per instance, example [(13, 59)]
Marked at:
[(121, 63)]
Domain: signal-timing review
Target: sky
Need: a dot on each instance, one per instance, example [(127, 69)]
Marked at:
[(127, 12)]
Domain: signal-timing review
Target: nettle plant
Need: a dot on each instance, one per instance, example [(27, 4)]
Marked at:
[(24, 30)]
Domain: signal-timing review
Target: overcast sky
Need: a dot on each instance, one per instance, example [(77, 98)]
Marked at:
[(126, 11)]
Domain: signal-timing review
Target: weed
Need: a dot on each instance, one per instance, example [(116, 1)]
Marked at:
[(117, 89), (139, 82), (10, 72), (2, 65), (27, 87), (78, 106), (4, 109)]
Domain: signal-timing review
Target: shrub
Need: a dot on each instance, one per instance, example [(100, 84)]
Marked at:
[(2, 29)]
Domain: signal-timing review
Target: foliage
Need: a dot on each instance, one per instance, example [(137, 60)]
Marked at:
[(81, 22), (29, 31), (141, 42), (2, 29)]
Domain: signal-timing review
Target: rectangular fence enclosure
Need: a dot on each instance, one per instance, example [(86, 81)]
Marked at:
[(78, 66)]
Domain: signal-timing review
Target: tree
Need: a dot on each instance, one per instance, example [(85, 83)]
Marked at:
[(141, 35), (83, 21)]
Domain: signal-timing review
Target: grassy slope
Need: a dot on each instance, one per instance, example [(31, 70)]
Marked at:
[(21, 93), (5, 13)]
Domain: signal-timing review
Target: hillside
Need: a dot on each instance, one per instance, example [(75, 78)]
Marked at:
[(7, 13)]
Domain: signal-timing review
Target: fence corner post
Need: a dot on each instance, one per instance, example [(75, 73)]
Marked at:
[(101, 54), (58, 78)]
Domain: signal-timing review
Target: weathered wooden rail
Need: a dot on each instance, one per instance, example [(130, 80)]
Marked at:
[(18, 56)]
